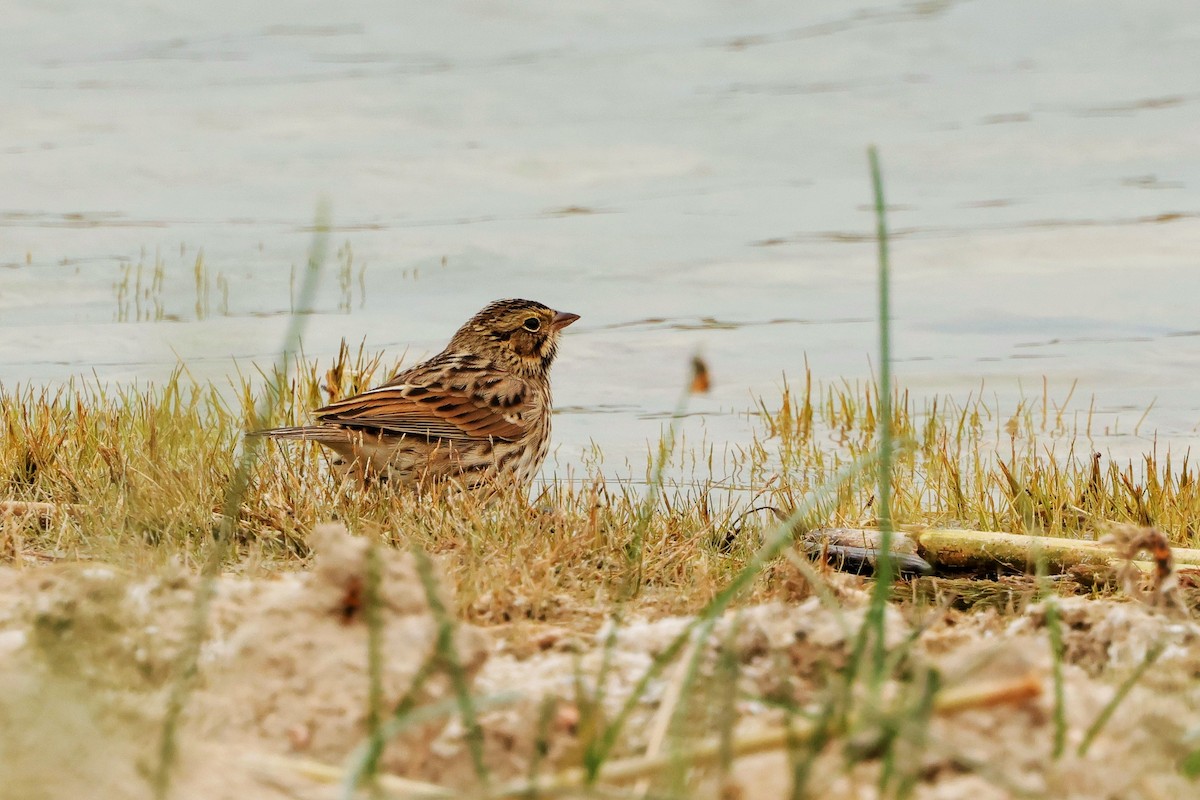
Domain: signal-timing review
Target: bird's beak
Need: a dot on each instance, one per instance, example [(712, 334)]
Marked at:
[(562, 319)]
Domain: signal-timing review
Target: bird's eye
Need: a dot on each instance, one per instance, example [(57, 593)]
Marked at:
[(531, 324)]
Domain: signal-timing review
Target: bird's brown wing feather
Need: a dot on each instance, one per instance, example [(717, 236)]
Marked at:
[(427, 410)]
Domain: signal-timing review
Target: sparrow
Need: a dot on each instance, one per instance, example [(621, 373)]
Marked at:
[(476, 415)]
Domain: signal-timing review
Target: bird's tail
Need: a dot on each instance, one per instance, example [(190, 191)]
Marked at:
[(311, 433)]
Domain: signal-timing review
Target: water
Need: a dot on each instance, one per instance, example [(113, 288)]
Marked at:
[(686, 176)]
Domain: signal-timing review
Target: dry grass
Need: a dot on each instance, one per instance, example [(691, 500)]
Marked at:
[(141, 474)]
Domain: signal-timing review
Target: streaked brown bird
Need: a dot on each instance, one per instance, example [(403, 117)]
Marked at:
[(475, 415)]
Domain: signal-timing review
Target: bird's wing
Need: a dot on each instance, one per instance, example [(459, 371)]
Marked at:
[(462, 410)]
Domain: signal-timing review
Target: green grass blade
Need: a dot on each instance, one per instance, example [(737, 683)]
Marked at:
[(1110, 708), (1054, 628), (373, 614), (187, 664), (774, 544), (883, 566), (451, 663)]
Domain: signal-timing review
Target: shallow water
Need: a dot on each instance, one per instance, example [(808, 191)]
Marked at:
[(687, 177)]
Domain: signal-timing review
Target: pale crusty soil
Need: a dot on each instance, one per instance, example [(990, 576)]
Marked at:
[(87, 652)]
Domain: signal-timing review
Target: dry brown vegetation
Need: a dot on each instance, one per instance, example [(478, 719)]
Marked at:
[(139, 474)]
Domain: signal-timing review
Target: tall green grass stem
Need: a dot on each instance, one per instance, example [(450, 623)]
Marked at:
[(187, 665), (373, 614), (452, 665), (883, 566), (1054, 629), (1111, 706)]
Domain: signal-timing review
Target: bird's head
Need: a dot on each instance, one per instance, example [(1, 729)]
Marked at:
[(519, 335)]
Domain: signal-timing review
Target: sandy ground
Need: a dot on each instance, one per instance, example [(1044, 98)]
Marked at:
[(86, 655)]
